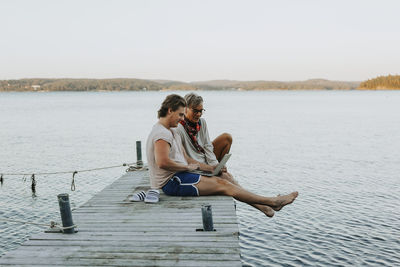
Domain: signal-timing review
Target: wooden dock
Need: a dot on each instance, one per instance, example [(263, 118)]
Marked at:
[(116, 232)]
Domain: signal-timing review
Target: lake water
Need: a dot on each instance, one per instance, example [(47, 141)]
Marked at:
[(339, 149)]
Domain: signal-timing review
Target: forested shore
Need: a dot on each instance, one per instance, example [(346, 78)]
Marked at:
[(390, 82), (157, 85)]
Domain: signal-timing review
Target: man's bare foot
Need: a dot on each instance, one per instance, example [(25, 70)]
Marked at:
[(282, 201), (268, 211)]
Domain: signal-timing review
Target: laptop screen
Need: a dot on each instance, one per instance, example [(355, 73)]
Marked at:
[(221, 164)]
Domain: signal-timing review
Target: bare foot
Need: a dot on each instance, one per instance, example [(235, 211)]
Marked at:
[(268, 211), (282, 201)]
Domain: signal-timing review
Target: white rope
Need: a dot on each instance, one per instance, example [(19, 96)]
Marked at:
[(131, 167), (25, 222), (51, 225), (64, 172), (136, 168)]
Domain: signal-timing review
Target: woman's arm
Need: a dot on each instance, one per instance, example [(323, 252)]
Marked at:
[(207, 145)]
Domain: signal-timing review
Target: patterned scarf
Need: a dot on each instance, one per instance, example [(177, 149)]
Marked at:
[(192, 129)]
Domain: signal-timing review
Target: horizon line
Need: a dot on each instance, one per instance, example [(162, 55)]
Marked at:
[(173, 80)]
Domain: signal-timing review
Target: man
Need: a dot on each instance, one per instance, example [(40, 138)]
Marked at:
[(170, 166)]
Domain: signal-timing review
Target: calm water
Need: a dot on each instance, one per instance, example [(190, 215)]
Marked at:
[(340, 150)]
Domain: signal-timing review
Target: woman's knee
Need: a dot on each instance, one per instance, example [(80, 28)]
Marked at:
[(227, 138)]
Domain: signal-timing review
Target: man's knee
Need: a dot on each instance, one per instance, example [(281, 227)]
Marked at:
[(224, 186), (228, 177)]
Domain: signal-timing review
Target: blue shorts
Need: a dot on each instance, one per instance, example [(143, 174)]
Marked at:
[(182, 184)]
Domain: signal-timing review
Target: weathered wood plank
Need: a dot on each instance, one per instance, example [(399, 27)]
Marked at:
[(133, 249), (125, 255), (107, 238), (154, 243), (177, 262), (133, 234)]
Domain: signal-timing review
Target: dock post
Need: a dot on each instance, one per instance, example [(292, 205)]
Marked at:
[(66, 215), (139, 161), (206, 213)]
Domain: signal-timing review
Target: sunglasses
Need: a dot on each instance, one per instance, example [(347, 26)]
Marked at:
[(198, 110)]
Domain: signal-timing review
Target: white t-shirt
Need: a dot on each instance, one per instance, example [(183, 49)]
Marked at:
[(159, 177)]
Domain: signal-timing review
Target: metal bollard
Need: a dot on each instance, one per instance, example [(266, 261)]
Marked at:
[(66, 215), (139, 161), (206, 213)]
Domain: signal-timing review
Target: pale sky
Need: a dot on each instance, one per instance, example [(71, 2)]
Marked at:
[(188, 40)]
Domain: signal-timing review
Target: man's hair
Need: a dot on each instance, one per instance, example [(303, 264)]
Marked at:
[(193, 100), (172, 102)]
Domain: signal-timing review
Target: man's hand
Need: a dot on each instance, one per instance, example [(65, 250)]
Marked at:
[(207, 168), (224, 169), (193, 166)]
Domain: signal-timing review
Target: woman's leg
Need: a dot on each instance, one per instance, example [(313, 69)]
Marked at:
[(218, 186), (222, 144)]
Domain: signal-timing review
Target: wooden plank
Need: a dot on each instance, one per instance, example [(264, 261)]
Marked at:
[(78, 254), (177, 262), (216, 243), (116, 232), (133, 234), (138, 238), (133, 249)]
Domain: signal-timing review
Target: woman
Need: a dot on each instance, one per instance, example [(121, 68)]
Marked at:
[(194, 133)]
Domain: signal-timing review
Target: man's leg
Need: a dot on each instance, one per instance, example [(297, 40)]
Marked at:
[(222, 144), (218, 186), (267, 210)]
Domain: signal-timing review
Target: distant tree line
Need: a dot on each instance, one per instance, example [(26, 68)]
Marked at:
[(79, 85), (156, 85), (313, 84), (382, 82)]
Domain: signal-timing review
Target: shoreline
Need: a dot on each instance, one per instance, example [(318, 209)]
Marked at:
[(183, 90)]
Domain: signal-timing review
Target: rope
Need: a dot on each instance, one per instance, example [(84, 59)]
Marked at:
[(51, 225), (73, 181), (136, 168), (25, 222), (65, 172), (132, 167)]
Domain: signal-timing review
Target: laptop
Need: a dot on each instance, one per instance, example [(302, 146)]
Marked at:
[(217, 169)]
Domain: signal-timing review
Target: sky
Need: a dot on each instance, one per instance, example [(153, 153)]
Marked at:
[(287, 40)]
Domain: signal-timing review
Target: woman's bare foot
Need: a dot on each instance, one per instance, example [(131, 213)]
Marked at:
[(282, 201)]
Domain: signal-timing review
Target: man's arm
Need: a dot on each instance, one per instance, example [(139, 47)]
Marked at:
[(161, 153), (203, 167)]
